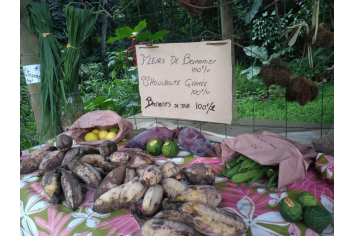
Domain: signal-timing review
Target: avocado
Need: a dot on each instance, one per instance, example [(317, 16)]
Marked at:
[(154, 146), (307, 199), (317, 218), (170, 149), (290, 210)]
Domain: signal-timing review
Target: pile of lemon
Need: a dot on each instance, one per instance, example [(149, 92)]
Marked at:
[(97, 134)]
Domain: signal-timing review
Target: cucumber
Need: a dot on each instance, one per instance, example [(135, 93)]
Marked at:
[(231, 163), (234, 170), (273, 179), (243, 177), (261, 175)]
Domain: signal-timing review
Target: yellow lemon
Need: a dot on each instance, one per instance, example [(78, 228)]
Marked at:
[(90, 137), (95, 131), (102, 134), (114, 129), (111, 135)]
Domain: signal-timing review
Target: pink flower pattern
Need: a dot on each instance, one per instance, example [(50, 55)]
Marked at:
[(255, 204), (55, 223)]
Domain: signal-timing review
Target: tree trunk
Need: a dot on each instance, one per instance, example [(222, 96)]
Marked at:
[(29, 48), (227, 32), (104, 27)]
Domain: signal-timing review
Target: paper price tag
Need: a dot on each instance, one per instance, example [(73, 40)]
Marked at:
[(32, 73)]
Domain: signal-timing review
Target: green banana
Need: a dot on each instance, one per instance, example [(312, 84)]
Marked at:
[(246, 176), (245, 165), (231, 172), (254, 166), (241, 158), (270, 172), (261, 175), (233, 162), (273, 179)]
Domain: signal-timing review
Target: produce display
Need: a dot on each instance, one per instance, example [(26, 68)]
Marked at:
[(305, 207), (166, 199), (243, 169), (97, 134)]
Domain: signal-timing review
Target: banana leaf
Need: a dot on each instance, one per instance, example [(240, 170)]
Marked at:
[(40, 22)]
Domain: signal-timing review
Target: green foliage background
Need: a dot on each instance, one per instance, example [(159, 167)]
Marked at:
[(110, 85)]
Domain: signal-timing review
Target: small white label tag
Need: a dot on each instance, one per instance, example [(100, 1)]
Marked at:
[(32, 73)]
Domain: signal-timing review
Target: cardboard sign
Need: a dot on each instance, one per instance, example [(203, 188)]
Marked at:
[(190, 81), (32, 73)]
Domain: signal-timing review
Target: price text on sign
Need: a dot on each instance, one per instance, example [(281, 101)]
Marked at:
[(186, 80)]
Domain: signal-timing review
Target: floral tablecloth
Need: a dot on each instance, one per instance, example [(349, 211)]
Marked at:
[(256, 205)]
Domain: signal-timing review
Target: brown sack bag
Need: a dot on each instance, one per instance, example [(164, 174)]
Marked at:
[(272, 149), (103, 120)]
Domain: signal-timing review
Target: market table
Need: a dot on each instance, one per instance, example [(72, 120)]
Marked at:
[(256, 205)]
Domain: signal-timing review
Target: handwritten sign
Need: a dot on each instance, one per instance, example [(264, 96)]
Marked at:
[(32, 73), (190, 81)]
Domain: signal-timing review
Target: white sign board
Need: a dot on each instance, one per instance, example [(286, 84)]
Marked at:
[(190, 81), (32, 73)]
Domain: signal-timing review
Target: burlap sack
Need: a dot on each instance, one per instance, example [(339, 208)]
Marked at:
[(272, 149), (103, 120)]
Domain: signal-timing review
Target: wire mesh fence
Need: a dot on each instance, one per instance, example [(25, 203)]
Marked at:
[(255, 101)]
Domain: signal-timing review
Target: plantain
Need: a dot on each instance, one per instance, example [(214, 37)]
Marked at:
[(64, 142), (73, 153), (151, 175), (171, 170), (159, 227), (86, 172), (132, 192), (140, 170), (172, 187), (71, 188), (139, 159), (212, 221), (113, 179), (199, 174), (120, 157), (51, 185), (129, 175), (109, 201), (50, 162), (172, 215), (152, 200), (200, 193), (107, 148), (32, 163), (98, 161)]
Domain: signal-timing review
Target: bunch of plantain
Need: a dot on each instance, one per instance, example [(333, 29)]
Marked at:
[(32, 163), (213, 221), (243, 169)]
